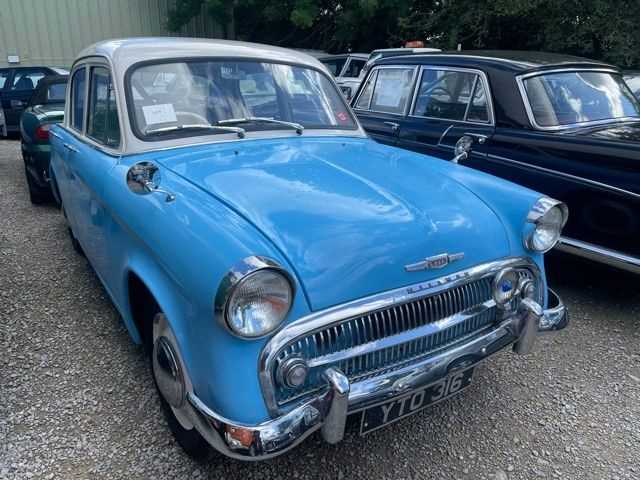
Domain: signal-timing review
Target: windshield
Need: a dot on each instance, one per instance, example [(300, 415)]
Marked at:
[(187, 95), (567, 98)]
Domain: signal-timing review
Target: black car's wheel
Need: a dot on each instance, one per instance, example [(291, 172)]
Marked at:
[(74, 241), (169, 381), (37, 194)]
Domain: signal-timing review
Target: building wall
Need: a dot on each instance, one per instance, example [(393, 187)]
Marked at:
[(52, 32)]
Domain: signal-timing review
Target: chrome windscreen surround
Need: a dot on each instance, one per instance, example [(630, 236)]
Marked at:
[(373, 336)]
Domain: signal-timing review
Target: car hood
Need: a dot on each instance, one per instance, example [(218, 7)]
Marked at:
[(628, 132), (348, 214)]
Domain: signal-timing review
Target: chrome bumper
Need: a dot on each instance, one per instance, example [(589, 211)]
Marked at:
[(328, 411)]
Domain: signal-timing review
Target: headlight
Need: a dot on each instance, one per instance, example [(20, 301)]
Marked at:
[(548, 216), (254, 298)]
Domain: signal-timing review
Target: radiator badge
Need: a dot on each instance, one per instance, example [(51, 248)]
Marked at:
[(436, 261)]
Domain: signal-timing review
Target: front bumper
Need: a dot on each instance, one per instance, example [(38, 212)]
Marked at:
[(328, 412)]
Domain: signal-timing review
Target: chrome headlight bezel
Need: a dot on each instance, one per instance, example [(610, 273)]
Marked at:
[(538, 215), (239, 273)]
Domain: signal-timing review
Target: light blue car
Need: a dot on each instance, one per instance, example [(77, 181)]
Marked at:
[(283, 270)]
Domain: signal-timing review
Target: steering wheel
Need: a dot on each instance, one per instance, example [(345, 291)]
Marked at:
[(189, 118)]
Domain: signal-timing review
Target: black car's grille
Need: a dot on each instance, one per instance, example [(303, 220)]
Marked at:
[(387, 339)]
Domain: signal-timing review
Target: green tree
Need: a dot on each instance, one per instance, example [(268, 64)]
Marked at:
[(600, 29)]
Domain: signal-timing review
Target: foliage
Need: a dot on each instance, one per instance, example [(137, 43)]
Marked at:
[(601, 29)]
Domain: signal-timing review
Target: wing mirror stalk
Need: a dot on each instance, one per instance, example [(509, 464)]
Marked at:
[(463, 146)]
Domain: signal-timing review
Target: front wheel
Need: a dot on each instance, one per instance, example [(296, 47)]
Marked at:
[(169, 380)]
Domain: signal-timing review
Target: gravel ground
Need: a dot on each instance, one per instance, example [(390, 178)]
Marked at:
[(77, 399)]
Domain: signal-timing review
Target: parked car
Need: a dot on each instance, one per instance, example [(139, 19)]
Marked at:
[(17, 84), (284, 270), (45, 108), (633, 80), (346, 69), (565, 126)]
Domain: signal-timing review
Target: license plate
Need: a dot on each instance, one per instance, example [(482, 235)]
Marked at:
[(385, 413)]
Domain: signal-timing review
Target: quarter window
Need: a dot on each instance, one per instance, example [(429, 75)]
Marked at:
[(365, 96), (78, 89), (392, 90), (452, 95), (103, 124)]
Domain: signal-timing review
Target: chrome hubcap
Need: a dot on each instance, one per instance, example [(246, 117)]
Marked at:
[(168, 373)]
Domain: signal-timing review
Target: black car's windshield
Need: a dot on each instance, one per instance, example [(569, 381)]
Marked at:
[(233, 92), (568, 98)]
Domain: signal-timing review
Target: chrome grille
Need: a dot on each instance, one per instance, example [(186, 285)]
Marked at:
[(391, 338)]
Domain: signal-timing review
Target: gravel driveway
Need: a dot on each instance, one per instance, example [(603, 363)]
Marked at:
[(77, 399)]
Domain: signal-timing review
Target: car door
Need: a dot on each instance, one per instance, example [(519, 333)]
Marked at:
[(65, 144), (17, 94), (448, 103), (383, 101), (97, 153)]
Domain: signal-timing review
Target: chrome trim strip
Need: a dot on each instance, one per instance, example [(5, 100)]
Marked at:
[(563, 174), (326, 318), (599, 254), (555, 128)]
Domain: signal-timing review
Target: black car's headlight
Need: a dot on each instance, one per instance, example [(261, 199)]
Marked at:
[(254, 297), (549, 217)]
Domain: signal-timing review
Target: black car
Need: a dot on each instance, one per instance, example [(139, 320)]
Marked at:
[(562, 125), (17, 84)]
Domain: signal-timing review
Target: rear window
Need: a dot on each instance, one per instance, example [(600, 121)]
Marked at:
[(56, 92)]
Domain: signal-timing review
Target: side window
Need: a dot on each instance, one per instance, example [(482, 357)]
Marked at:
[(393, 90), (27, 79), (479, 109), (102, 126), (448, 95), (78, 89), (365, 97), (335, 65)]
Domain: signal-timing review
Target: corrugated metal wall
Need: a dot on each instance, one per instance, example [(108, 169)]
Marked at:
[(52, 32)]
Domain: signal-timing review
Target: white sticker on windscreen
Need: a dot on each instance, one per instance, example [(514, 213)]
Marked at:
[(163, 113)]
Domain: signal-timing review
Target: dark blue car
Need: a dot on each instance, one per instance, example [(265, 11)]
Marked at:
[(562, 125)]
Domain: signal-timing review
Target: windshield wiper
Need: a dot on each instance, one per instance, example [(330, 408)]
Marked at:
[(230, 121), (237, 130)]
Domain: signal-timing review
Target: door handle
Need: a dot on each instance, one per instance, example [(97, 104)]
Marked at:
[(70, 147), (394, 126)]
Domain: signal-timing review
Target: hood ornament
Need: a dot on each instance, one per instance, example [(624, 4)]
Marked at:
[(436, 261)]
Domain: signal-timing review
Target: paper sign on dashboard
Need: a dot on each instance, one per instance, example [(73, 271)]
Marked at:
[(162, 113)]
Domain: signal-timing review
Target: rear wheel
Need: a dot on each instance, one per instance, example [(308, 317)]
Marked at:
[(168, 377), (37, 194)]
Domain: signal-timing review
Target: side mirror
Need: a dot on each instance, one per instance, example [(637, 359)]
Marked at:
[(464, 144), (144, 178)]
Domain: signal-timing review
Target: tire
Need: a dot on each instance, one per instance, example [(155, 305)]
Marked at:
[(37, 195), (191, 441)]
